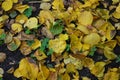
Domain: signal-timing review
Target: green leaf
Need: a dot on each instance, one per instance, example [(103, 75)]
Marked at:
[(57, 27), (44, 44), (92, 51), (68, 47), (50, 52), (2, 36), (1, 42), (30, 42), (27, 31), (1, 78), (118, 59), (13, 14), (28, 12), (13, 46)]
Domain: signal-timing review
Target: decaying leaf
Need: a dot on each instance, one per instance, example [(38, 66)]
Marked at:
[(23, 36), (12, 46), (2, 57), (25, 49)]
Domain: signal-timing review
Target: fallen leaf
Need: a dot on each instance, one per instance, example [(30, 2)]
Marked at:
[(85, 18), (5, 5), (57, 45), (31, 23)]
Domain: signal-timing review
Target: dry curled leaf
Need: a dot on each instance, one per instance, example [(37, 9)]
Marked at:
[(25, 49), (16, 27), (2, 57)]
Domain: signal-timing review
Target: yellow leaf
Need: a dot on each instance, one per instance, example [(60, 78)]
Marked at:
[(15, 1), (40, 55), (109, 54), (85, 47), (5, 5), (83, 29), (112, 74), (118, 8), (21, 8), (63, 36), (88, 62), (46, 17), (44, 73), (36, 44), (116, 15), (111, 44), (66, 76), (31, 23), (57, 45), (92, 39), (21, 19), (58, 4), (118, 40), (75, 44), (16, 27), (70, 68), (98, 69), (27, 69), (85, 18)]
